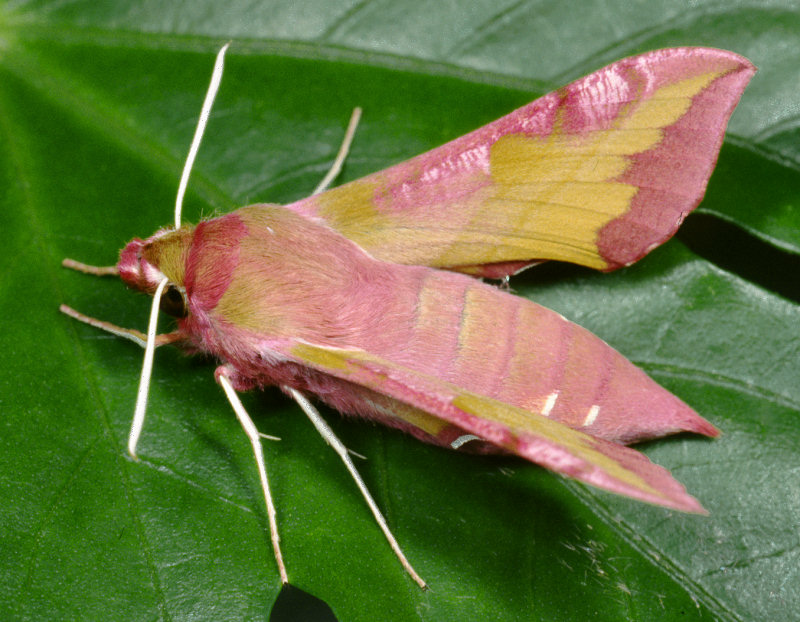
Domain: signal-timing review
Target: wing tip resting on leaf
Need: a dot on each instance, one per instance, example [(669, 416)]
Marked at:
[(700, 425), (665, 490), (598, 462), (601, 463)]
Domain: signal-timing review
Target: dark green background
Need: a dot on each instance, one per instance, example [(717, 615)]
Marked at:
[(98, 102)]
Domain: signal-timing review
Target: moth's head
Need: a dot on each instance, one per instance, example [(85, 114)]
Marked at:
[(143, 264)]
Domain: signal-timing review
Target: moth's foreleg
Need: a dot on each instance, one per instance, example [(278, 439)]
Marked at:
[(223, 375), (87, 269), (138, 337), (332, 440)]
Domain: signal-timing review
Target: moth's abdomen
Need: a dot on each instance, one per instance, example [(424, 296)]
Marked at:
[(513, 350)]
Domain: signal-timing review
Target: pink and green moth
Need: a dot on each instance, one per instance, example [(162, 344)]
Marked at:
[(365, 296)]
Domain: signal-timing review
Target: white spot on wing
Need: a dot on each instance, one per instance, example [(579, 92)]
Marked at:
[(549, 403), (591, 415)]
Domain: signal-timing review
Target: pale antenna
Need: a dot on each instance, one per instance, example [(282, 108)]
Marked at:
[(205, 112), (147, 365)]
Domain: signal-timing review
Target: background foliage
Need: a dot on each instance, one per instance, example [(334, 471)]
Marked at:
[(98, 102)]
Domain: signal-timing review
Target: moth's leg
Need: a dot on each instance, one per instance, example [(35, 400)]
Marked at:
[(149, 342), (87, 269), (224, 375), (132, 334), (340, 449), (336, 167)]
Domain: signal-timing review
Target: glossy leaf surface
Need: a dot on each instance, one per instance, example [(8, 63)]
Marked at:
[(97, 107)]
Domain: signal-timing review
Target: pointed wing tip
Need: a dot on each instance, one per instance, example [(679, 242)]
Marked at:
[(707, 429), (684, 502), (651, 482), (737, 61), (687, 419), (741, 63), (698, 509), (670, 494), (633, 233)]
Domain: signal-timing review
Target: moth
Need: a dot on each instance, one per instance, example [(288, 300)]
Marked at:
[(365, 296)]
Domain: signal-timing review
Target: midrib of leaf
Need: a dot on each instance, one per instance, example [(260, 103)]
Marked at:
[(288, 48)]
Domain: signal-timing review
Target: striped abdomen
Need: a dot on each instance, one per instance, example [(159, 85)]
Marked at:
[(513, 350)]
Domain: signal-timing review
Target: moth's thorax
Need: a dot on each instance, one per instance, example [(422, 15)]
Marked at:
[(270, 272), (144, 263)]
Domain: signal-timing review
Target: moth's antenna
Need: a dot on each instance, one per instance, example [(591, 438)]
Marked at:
[(205, 112), (147, 365), (147, 368)]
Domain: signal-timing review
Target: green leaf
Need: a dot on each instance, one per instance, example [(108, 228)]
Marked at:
[(98, 103)]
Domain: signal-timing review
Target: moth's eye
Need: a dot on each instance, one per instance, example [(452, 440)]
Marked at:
[(173, 302)]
